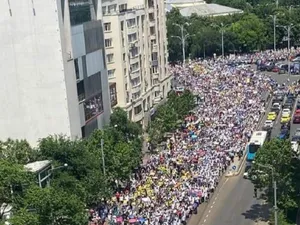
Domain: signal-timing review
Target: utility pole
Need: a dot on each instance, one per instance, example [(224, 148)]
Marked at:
[(222, 29), (102, 156), (275, 189), (288, 29), (277, 3), (182, 38), (274, 17)]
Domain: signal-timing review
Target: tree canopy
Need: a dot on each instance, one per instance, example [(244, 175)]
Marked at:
[(73, 189), (278, 154), (247, 32)]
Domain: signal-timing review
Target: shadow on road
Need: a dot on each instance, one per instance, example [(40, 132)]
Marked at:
[(258, 212)]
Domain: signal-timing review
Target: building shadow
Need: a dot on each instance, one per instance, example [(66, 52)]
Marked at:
[(258, 212)]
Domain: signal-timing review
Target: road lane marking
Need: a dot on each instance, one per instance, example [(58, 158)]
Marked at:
[(209, 211), (211, 206), (204, 221), (207, 215), (214, 202)]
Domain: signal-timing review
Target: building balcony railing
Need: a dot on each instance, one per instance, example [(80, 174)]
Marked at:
[(154, 48), (152, 22), (132, 30), (134, 75), (155, 75), (138, 117), (156, 88), (152, 36), (154, 63), (136, 88)]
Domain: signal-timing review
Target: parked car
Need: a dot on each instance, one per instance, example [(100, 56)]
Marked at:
[(284, 134)]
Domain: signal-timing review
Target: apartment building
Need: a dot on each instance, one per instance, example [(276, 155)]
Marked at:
[(136, 54), (54, 77)]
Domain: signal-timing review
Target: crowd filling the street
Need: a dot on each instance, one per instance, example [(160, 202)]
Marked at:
[(172, 184)]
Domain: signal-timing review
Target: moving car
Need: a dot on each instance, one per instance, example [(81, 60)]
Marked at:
[(276, 107), (296, 136), (278, 98), (284, 134), (268, 125), (285, 118), (295, 146), (286, 112), (272, 116)]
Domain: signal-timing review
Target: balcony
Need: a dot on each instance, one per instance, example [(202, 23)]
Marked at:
[(134, 75), (155, 76), (152, 22), (134, 59), (138, 117), (152, 36), (113, 94), (154, 48), (154, 63), (136, 88), (156, 87), (132, 30)]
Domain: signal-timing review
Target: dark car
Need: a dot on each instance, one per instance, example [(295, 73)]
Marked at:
[(270, 67), (296, 119), (278, 98), (284, 134), (283, 68), (288, 105), (296, 136)]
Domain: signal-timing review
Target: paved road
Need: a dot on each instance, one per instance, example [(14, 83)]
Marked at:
[(234, 204)]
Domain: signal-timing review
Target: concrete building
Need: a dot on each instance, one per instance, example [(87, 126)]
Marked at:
[(54, 78), (200, 7), (136, 55)]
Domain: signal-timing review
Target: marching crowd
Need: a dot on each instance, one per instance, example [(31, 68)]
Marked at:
[(169, 188)]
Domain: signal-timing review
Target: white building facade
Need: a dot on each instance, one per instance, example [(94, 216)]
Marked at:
[(136, 55), (39, 88)]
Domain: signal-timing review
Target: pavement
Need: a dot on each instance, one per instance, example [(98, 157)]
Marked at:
[(233, 203)]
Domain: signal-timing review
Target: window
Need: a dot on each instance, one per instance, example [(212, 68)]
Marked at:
[(135, 81), (111, 73), (79, 12), (138, 109), (157, 94), (134, 66), (151, 16), (122, 8), (130, 23), (132, 37), (110, 58), (104, 10), (93, 106), (154, 69), (80, 91), (83, 132), (152, 30), (155, 81), (124, 57), (125, 72), (122, 25), (108, 43), (112, 8), (154, 56), (134, 51), (113, 94), (107, 26), (136, 95), (76, 69)]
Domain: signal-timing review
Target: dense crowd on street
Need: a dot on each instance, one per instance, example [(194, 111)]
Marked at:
[(169, 188)]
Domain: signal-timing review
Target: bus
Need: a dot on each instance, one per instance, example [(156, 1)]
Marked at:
[(257, 140)]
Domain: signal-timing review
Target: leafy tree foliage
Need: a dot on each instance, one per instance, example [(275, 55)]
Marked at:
[(247, 32), (168, 115), (279, 155)]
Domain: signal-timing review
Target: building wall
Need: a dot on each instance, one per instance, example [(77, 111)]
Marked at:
[(139, 64), (34, 96), (91, 75)]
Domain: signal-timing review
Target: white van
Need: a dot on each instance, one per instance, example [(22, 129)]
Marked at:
[(295, 146)]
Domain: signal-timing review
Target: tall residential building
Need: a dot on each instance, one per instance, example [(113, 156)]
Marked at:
[(136, 54), (54, 78)]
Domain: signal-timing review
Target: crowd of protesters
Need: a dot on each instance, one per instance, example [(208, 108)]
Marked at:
[(169, 188)]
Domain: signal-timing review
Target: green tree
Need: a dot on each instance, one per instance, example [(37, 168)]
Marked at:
[(279, 155), (52, 207), (13, 180), (251, 32), (17, 151)]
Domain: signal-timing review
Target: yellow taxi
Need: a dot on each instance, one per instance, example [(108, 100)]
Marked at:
[(271, 116), (285, 119)]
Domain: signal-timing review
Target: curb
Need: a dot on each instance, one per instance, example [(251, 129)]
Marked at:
[(233, 174)]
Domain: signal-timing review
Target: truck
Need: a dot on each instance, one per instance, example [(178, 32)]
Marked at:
[(257, 140)]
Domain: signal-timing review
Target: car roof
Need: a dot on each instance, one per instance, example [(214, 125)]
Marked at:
[(275, 113)]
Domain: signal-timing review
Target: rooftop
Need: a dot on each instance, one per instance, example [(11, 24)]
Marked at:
[(209, 10), (200, 7), (37, 165)]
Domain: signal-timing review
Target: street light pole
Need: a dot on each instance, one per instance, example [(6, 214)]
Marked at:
[(182, 38), (274, 30), (288, 29), (222, 29), (275, 190), (102, 156)]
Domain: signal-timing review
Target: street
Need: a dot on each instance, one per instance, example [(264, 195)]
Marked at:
[(234, 203)]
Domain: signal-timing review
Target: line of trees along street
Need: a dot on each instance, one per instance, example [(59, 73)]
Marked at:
[(75, 188), (83, 183), (247, 32), (278, 154)]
